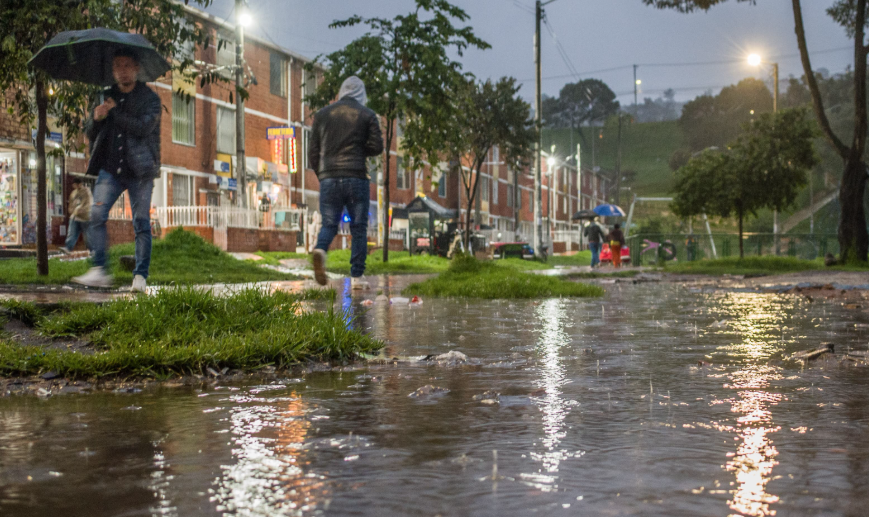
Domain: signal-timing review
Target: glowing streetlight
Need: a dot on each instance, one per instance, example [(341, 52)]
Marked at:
[(551, 161), (639, 82), (245, 19), (754, 60)]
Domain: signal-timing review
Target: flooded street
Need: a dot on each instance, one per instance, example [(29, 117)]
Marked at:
[(657, 399)]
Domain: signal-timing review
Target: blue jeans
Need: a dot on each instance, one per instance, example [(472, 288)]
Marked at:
[(75, 229), (595, 253), (335, 195), (108, 189)]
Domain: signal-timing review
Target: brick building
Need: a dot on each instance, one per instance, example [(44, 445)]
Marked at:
[(198, 164)]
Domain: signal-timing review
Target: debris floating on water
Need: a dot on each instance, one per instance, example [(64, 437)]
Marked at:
[(427, 390), (488, 397), (811, 355)]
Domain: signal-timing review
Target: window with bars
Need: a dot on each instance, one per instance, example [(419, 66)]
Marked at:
[(510, 195), (494, 191), (183, 119), (442, 184), (225, 130), (226, 54), (277, 74), (484, 188)]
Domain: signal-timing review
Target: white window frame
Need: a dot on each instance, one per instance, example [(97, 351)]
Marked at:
[(225, 127)]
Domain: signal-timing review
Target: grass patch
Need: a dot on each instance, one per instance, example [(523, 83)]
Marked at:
[(400, 262), (185, 331), (181, 257), (582, 258), (469, 278), (748, 266)]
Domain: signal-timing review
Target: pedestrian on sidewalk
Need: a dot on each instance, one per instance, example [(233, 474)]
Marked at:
[(595, 234), (80, 201), (124, 135), (617, 240), (343, 136)]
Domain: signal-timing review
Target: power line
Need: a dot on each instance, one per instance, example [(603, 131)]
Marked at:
[(684, 64)]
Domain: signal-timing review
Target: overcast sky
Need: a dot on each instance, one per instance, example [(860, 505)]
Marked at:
[(596, 35)]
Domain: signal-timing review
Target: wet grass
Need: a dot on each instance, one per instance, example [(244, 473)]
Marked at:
[(186, 331), (400, 262), (754, 266), (582, 258), (469, 278), (180, 257)]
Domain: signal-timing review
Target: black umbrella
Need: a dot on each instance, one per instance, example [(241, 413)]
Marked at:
[(584, 214), (86, 56)]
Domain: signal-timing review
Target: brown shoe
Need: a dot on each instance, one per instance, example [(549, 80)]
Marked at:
[(319, 259)]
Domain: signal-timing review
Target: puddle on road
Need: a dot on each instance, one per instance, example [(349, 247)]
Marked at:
[(595, 407)]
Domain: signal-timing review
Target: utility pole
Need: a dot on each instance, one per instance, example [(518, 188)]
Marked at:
[(241, 166), (538, 116), (636, 84)]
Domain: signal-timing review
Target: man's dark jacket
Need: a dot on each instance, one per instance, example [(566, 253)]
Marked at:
[(139, 121), (344, 135), (594, 232)]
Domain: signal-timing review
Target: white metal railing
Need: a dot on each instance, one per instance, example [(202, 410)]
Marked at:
[(223, 217), (568, 237)]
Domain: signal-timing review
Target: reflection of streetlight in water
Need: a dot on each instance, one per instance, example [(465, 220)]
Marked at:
[(758, 321), (553, 318)]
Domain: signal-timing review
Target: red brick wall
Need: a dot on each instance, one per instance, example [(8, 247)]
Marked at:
[(250, 240), (206, 232)]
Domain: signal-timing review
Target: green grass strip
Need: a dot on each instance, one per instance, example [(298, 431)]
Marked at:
[(469, 278), (181, 257), (754, 266), (184, 331)]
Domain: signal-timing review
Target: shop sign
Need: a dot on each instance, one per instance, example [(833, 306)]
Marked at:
[(280, 133), (228, 183), (53, 136)]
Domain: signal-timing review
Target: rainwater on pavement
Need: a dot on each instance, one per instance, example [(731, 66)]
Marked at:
[(658, 399)]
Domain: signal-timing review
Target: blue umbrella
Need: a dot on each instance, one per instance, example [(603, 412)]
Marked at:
[(609, 211)]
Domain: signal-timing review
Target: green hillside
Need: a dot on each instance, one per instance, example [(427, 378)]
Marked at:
[(646, 150)]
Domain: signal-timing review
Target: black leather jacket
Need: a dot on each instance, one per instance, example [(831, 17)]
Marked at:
[(344, 135), (140, 121)]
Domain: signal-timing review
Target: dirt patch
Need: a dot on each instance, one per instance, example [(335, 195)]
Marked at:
[(851, 298), (21, 334)]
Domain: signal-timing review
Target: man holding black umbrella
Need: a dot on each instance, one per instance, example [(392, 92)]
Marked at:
[(124, 134)]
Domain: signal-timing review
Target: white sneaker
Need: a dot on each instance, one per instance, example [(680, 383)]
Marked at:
[(64, 250), (95, 277), (319, 260), (139, 285), (359, 282)]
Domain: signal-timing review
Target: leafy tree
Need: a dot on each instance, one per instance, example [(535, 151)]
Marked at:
[(406, 66), (661, 109), (488, 114), (579, 103), (27, 25), (712, 121), (764, 168), (852, 15)]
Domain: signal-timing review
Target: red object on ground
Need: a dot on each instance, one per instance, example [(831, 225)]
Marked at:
[(606, 254)]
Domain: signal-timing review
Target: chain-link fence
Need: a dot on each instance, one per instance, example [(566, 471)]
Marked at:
[(649, 249)]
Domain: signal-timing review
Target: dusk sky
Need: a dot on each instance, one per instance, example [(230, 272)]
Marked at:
[(597, 36)]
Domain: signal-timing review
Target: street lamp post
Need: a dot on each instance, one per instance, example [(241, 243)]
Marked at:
[(243, 19), (755, 60)]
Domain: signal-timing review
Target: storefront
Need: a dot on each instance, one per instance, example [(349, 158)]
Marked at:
[(10, 198)]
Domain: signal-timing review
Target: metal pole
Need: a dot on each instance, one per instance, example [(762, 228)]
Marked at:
[(635, 85), (538, 191), (775, 227), (619, 163), (579, 189), (241, 167)]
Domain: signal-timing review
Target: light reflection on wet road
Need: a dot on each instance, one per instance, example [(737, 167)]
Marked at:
[(604, 409)]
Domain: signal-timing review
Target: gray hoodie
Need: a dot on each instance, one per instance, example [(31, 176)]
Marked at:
[(354, 88)]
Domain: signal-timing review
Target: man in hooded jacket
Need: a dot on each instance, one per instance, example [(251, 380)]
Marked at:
[(344, 135)]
